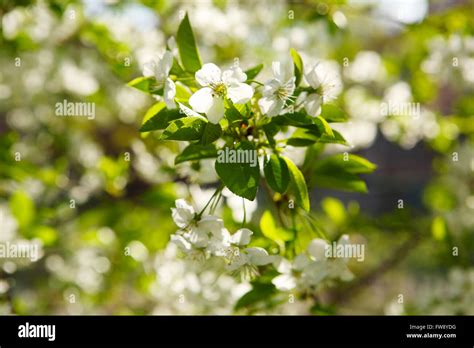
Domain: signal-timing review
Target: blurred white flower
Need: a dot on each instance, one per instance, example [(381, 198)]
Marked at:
[(77, 80), (324, 77), (218, 85), (311, 267), (160, 69), (279, 90)]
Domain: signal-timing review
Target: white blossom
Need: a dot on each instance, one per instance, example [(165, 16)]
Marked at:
[(279, 90), (217, 86), (160, 69), (324, 78)]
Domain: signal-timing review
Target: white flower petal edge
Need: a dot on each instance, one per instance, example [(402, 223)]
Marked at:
[(208, 74), (218, 85), (160, 69), (239, 93), (277, 91), (183, 213), (202, 100), (241, 237)]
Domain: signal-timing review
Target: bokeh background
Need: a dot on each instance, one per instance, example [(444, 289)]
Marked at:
[(88, 189)]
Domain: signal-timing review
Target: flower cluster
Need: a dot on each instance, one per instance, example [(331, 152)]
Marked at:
[(202, 237), (311, 268)]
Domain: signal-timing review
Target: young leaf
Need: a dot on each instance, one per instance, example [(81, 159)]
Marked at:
[(303, 137), (211, 133), (323, 126), (298, 185), (142, 83), (277, 174), (343, 181), (340, 172), (196, 152), (186, 128), (232, 113), (272, 231), (333, 113), (158, 117), (336, 139), (261, 292), (253, 72), (241, 178), (187, 46), (298, 65)]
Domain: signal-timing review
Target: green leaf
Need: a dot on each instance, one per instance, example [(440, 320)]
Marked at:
[(261, 292), (232, 113), (303, 137), (276, 173), (324, 127), (341, 172), (22, 208), (176, 68), (142, 83), (158, 117), (297, 119), (438, 228), (298, 185), (348, 163), (182, 92), (211, 133), (196, 152), (272, 231), (270, 130), (186, 128), (334, 209), (187, 46), (253, 72), (336, 139), (333, 113), (298, 65), (241, 178), (340, 181)]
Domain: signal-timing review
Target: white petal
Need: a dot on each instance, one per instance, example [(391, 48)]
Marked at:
[(233, 75), (210, 223), (169, 94), (271, 106), (183, 213), (282, 265), (241, 237), (284, 282), (300, 262), (258, 256), (201, 101), (271, 87), (239, 93), (315, 272), (189, 112), (149, 69), (312, 77), (166, 63), (216, 111), (276, 68), (313, 104), (208, 74), (182, 243), (219, 242), (198, 237), (237, 262), (173, 46), (317, 249)]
